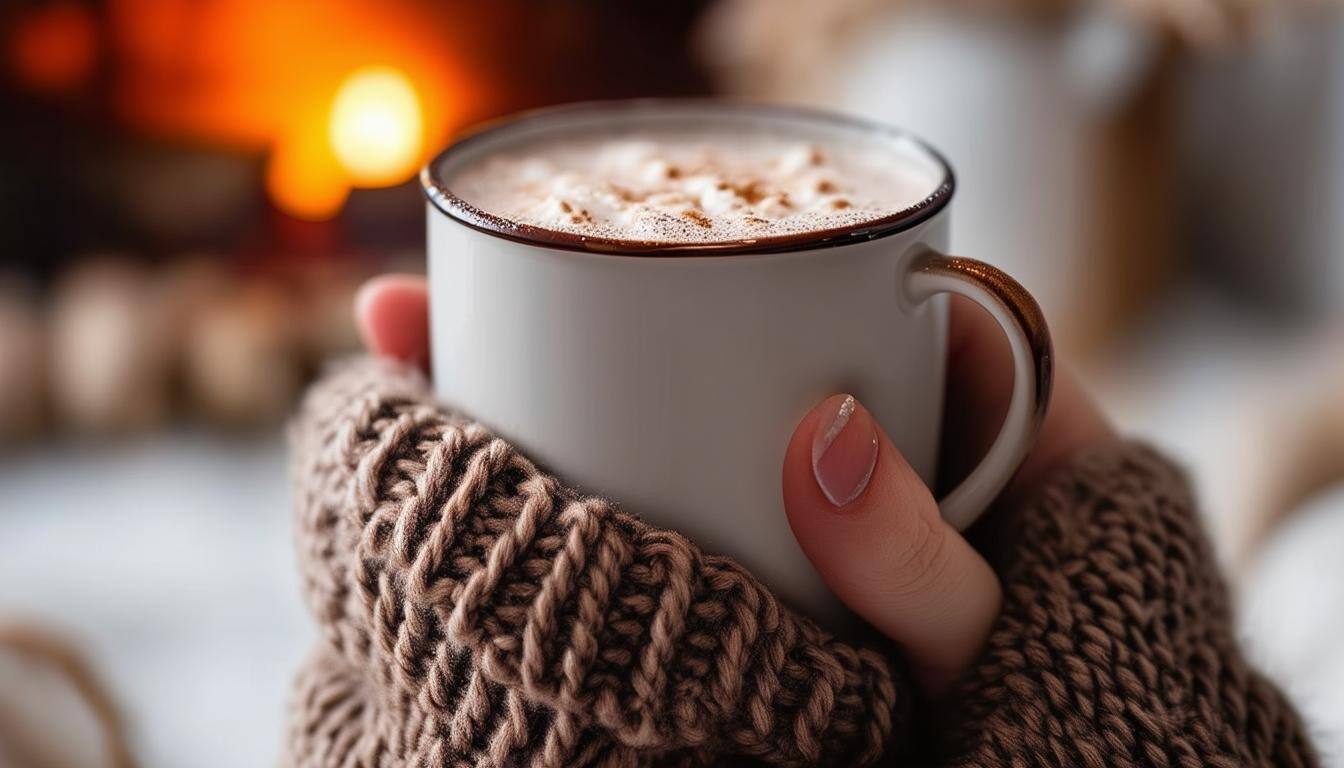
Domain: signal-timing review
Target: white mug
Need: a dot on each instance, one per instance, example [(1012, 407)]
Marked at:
[(669, 378)]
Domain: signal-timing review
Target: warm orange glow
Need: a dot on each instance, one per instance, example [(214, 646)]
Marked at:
[(377, 127), (303, 177), (55, 47), (264, 76)]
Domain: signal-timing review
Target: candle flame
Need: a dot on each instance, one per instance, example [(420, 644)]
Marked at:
[(259, 76), (376, 127)]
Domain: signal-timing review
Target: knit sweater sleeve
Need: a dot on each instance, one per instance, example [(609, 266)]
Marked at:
[(475, 611), (472, 610), (1116, 645)]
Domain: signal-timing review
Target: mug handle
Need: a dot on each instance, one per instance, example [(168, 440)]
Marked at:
[(1020, 318)]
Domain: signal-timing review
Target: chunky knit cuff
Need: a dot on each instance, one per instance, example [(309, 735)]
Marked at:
[(475, 612), (1115, 645)]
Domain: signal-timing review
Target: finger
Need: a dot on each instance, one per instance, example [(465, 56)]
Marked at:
[(392, 313), (871, 529), (979, 386)]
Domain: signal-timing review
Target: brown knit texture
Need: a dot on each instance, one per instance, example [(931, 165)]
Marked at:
[(473, 611), (1115, 646), (476, 612)]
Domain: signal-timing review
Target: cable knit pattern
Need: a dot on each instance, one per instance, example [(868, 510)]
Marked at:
[(475, 612)]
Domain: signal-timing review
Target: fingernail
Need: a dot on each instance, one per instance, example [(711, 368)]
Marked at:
[(844, 450)]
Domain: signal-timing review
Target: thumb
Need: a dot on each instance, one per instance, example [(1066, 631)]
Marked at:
[(392, 315), (871, 529)]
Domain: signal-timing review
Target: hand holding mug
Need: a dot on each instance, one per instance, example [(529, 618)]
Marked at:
[(867, 522)]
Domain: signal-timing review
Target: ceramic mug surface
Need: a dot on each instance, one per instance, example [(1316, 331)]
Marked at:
[(669, 378)]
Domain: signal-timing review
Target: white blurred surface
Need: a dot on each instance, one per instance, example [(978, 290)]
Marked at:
[(169, 562), (1293, 616)]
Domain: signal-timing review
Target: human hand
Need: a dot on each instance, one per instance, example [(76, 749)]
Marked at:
[(867, 522)]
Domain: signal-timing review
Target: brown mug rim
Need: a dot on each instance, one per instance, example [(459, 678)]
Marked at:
[(443, 198)]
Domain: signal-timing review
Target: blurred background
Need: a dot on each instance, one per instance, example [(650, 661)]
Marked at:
[(191, 190)]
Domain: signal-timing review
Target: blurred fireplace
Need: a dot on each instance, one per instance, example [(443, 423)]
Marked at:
[(234, 125), (191, 190)]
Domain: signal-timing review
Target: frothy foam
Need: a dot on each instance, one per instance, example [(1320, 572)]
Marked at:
[(690, 187)]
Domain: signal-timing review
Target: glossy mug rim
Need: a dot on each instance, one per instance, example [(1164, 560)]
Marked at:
[(443, 198)]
